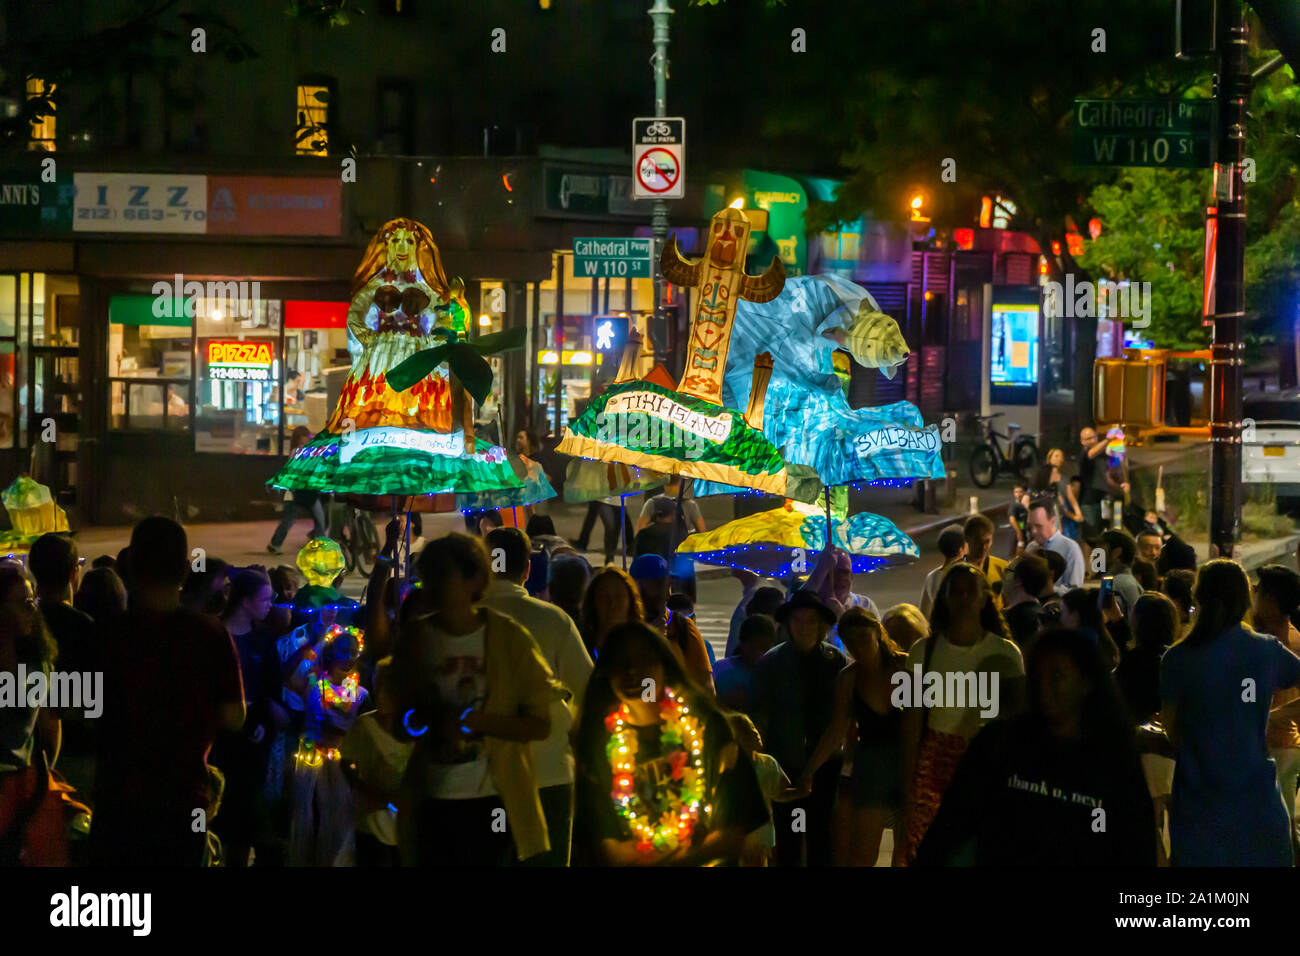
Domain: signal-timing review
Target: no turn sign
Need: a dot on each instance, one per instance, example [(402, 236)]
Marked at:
[(658, 157)]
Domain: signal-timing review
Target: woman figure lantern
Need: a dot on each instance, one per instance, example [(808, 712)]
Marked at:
[(416, 439)]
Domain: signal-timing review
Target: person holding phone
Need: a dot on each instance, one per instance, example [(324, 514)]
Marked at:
[(474, 691)]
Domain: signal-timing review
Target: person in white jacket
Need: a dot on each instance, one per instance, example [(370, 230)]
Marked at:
[(555, 633)]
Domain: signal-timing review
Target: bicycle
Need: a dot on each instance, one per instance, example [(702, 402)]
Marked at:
[(988, 458), (357, 537)]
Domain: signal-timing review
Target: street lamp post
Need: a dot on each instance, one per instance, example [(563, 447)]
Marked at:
[(1226, 347), (659, 14)]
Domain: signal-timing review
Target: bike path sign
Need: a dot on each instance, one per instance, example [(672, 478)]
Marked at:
[(659, 157)]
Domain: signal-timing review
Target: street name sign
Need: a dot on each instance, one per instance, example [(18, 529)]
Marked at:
[(612, 257), (1169, 132), (659, 157)]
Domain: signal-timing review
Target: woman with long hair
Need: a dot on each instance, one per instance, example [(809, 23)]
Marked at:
[(243, 755), (612, 598), (1080, 612), (968, 639), (862, 698), (474, 691), (25, 641), (1216, 686), (101, 595), (30, 736), (1051, 479), (661, 779), (1155, 626), (1058, 786)]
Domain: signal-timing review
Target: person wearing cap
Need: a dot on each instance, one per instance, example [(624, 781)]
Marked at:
[(794, 695), (650, 572)]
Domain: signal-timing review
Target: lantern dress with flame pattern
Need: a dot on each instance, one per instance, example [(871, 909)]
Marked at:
[(380, 441)]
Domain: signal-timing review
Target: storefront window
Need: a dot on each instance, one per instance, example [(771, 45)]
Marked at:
[(8, 366), (316, 352), (573, 359), (149, 361), (238, 377)]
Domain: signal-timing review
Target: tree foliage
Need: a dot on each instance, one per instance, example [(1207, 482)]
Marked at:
[(149, 40), (1153, 223)]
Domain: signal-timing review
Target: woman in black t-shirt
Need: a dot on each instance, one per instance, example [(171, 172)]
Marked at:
[(661, 780), (1059, 786)]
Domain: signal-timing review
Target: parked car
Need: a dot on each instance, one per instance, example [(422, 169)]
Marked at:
[(1270, 452)]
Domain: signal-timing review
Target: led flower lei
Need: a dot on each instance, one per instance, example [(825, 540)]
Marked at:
[(669, 826), (341, 698)]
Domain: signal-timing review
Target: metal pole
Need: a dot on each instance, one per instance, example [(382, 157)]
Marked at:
[(406, 571), (1230, 301), (558, 338), (659, 14)]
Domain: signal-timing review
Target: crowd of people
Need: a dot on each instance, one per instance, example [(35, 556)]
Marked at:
[(508, 704)]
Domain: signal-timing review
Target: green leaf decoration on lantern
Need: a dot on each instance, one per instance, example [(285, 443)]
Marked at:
[(465, 360)]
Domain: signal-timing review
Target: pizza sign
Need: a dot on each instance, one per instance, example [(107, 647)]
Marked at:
[(658, 157), (240, 361)]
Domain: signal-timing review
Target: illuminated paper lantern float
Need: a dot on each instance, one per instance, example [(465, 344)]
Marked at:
[(806, 412), (32, 512), (684, 428), (788, 539), (536, 487), (321, 561), (402, 434)]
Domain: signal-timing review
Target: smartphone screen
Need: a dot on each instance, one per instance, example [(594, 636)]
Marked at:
[(1107, 589)]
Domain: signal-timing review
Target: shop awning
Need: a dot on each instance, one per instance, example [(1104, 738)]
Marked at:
[(145, 309)]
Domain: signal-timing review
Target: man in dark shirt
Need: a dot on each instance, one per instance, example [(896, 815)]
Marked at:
[(794, 695), (56, 566), (171, 682), (1092, 471), (656, 537), (1026, 578)]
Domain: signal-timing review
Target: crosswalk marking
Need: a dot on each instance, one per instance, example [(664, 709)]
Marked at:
[(714, 626)]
